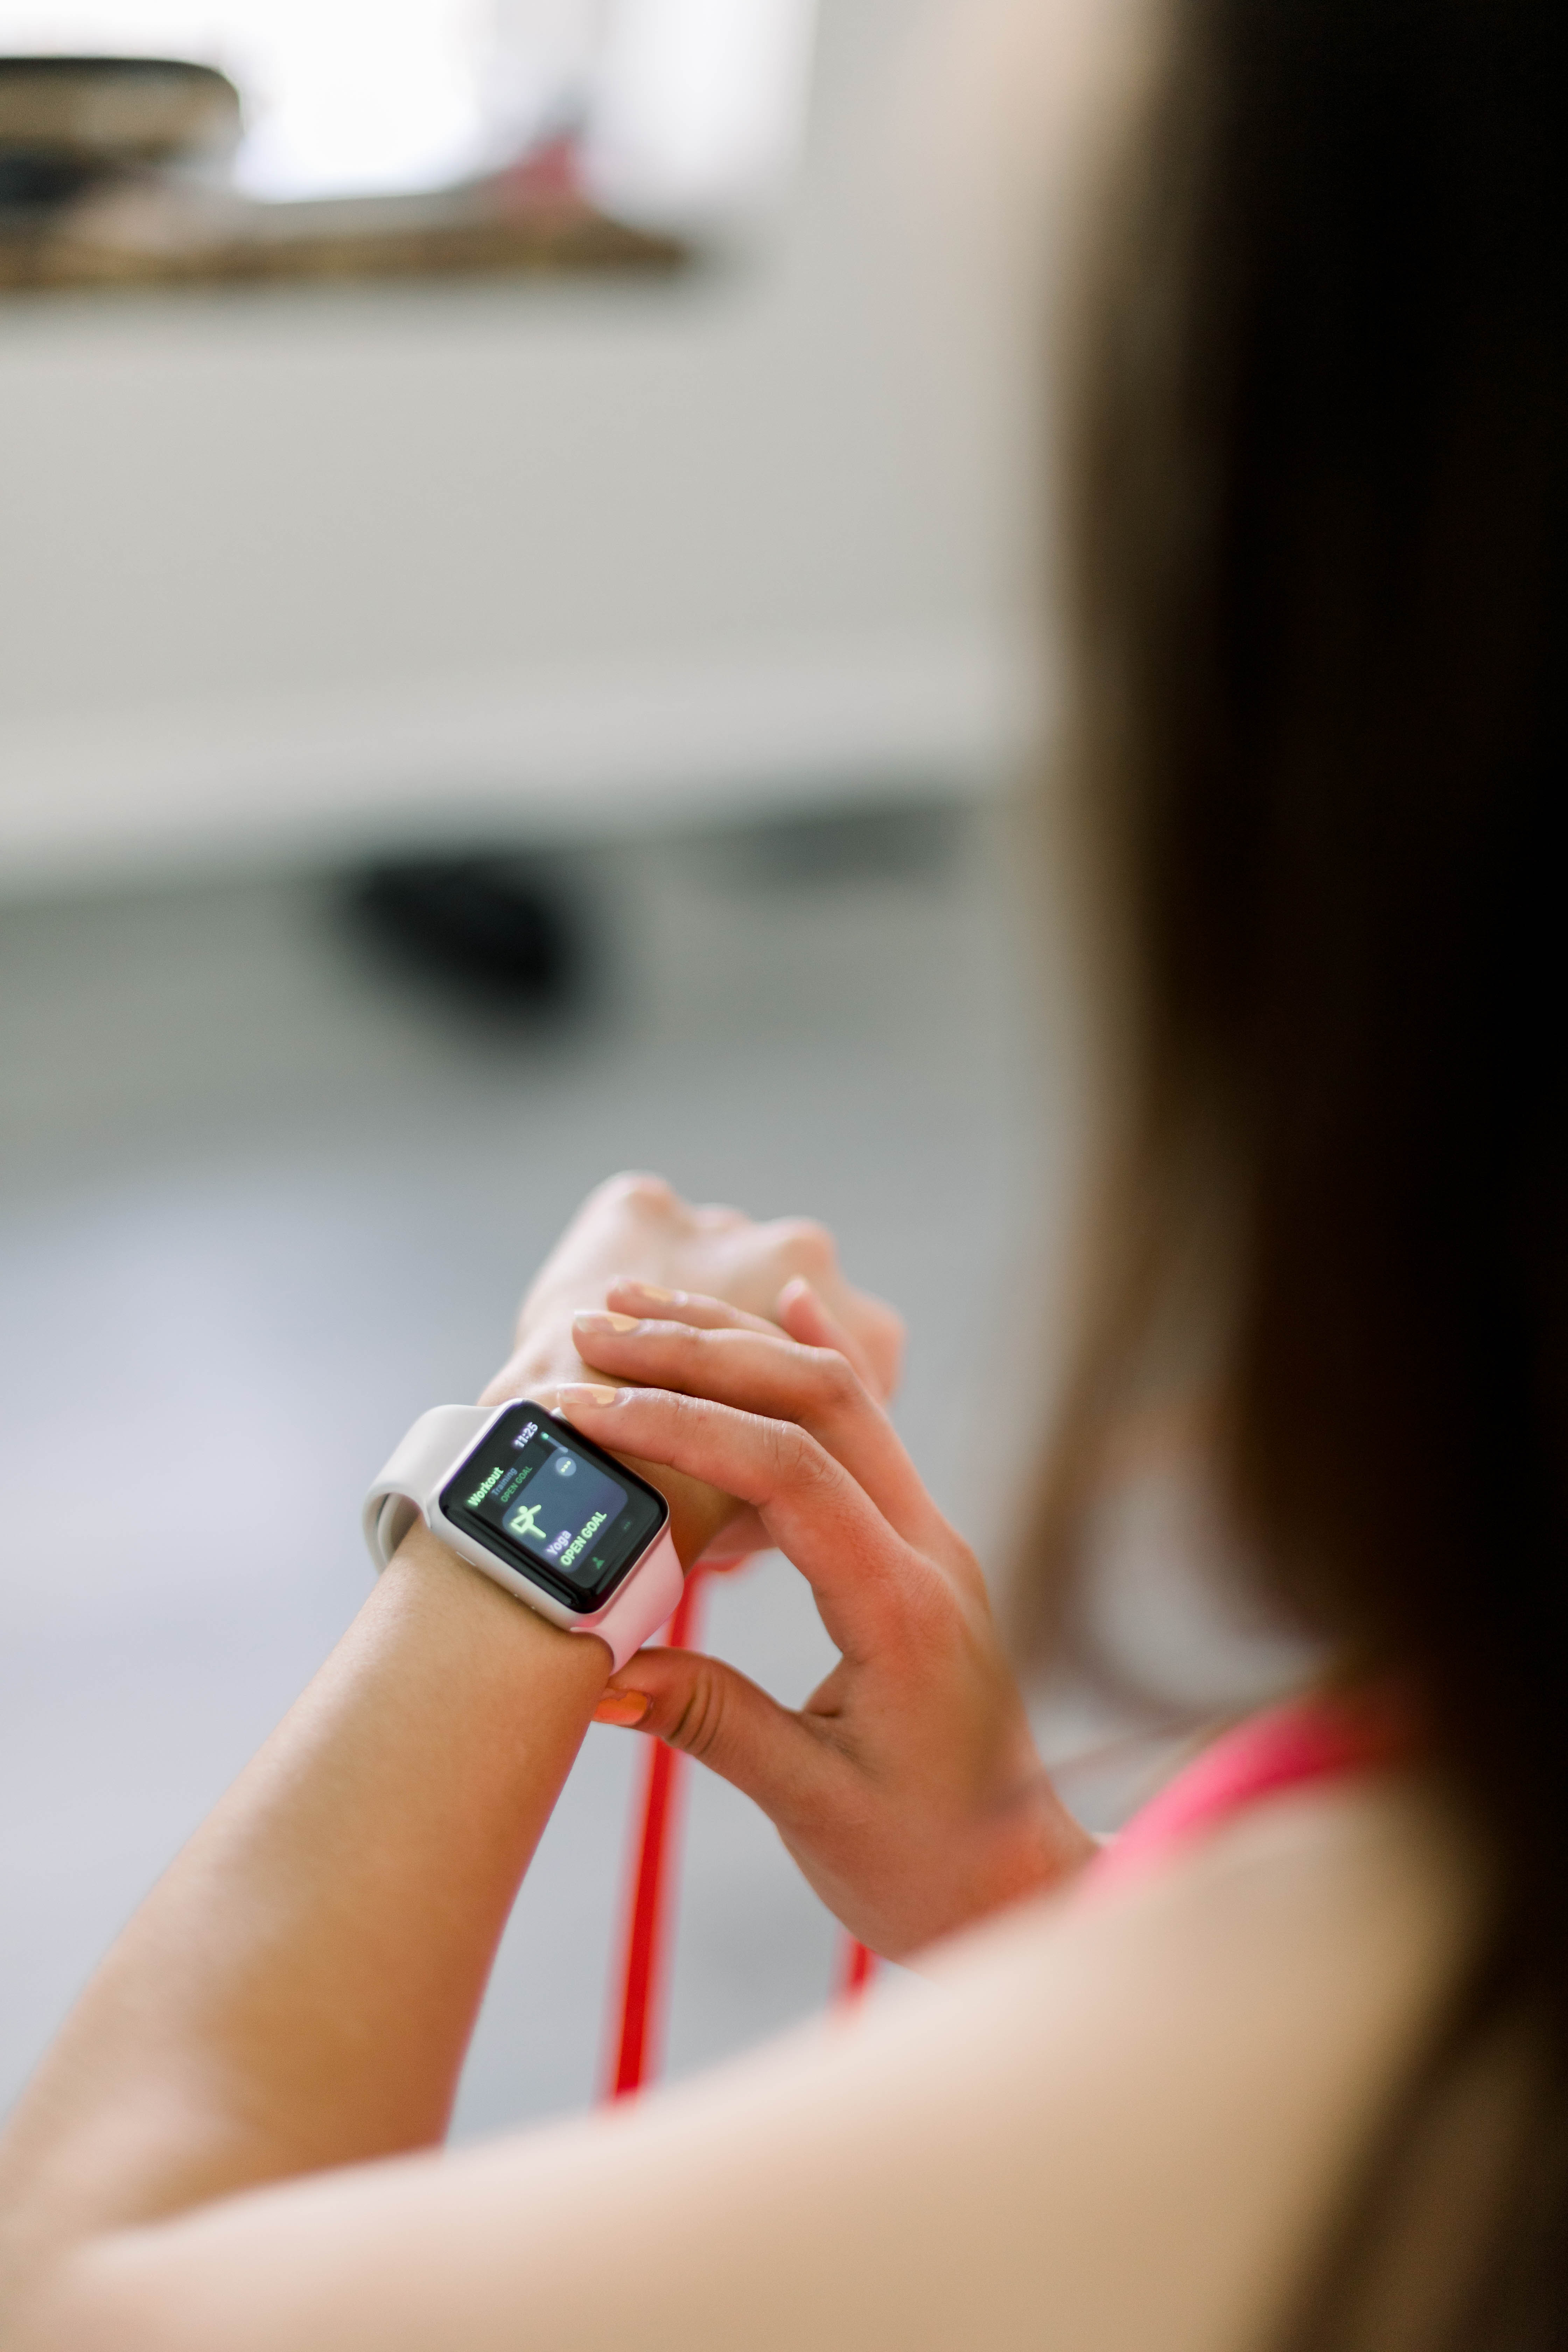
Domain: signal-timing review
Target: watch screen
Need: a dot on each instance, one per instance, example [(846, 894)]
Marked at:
[(555, 1507)]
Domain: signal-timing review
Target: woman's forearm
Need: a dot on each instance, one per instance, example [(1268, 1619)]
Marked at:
[(298, 1989)]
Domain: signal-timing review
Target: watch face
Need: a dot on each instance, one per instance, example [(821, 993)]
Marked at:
[(556, 1510)]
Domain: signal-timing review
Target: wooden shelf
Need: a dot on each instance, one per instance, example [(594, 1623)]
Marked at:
[(156, 232)]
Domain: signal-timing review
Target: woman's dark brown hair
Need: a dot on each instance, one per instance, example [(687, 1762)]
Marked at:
[(1319, 487)]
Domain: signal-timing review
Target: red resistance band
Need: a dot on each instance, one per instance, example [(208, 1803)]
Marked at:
[(637, 2035)]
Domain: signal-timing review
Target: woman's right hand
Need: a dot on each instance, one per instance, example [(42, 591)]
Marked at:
[(908, 1787), (784, 1270)]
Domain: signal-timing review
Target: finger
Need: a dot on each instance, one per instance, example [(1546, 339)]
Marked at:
[(707, 1710), (635, 1192), (717, 1216), (637, 1299), (806, 1244), (806, 1247), (801, 1313), (873, 1591), (763, 1372), (638, 1189), (878, 1332)]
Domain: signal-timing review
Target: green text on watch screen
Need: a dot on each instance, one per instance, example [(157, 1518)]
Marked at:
[(566, 1515)]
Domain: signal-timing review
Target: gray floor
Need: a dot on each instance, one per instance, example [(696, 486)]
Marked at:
[(263, 1202)]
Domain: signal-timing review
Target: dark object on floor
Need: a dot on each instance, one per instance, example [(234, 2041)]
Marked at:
[(67, 123), (495, 928)]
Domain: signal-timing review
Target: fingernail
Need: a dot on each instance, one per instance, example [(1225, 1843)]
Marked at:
[(651, 1292), (588, 1392), (625, 1708), (597, 1318)]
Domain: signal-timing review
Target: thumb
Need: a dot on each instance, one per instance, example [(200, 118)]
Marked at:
[(706, 1709)]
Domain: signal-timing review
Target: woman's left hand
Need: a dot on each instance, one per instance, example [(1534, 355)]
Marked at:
[(908, 1787)]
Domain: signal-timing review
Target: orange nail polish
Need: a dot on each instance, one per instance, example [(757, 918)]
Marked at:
[(624, 1707)]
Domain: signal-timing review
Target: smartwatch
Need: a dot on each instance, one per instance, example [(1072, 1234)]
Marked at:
[(554, 1522)]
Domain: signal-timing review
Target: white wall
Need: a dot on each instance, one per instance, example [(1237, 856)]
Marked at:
[(296, 568)]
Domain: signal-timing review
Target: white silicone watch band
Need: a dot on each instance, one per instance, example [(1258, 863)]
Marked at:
[(408, 1488), (415, 1474), (647, 1600)]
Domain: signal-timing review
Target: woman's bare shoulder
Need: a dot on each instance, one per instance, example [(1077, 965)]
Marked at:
[(1106, 2121)]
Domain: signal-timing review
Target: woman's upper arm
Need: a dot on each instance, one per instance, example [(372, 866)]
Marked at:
[(967, 2166), (796, 2201)]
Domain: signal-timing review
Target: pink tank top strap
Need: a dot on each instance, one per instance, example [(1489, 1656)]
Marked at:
[(1303, 1743)]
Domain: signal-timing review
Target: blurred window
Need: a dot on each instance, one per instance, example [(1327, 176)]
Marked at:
[(683, 107)]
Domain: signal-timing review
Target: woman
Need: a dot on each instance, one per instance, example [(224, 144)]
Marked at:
[(1288, 2066)]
